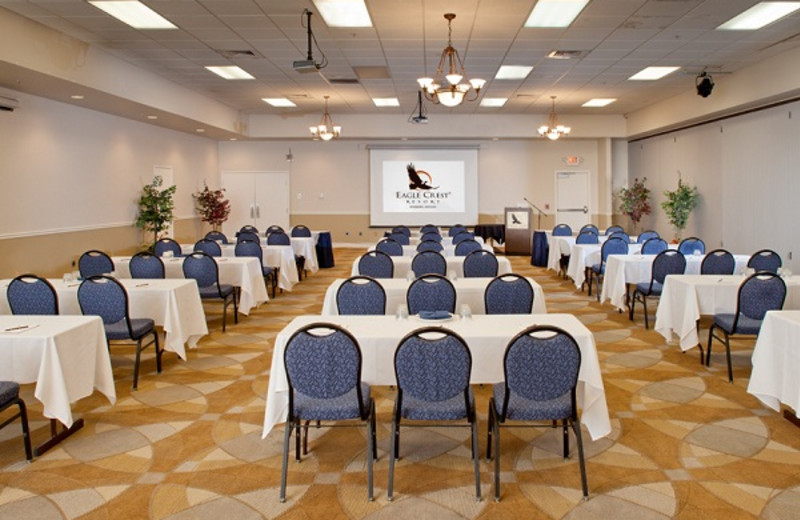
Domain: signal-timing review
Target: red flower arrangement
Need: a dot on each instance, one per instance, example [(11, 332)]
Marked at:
[(212, 206)]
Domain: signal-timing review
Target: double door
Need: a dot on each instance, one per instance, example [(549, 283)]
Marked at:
[(260, 199)]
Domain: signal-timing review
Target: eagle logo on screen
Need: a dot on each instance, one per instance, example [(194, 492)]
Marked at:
[(415, 181)]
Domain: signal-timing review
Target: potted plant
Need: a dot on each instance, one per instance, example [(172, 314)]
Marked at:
[(155, 208), (679, 205), (635, 201), (212, 206)]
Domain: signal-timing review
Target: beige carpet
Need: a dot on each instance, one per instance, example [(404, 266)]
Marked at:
[(685, 442)]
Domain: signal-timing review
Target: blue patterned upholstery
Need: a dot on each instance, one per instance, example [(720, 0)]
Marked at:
[(509, 294), (92, 263), (217, 235), (248, 235), (480, 264), (428, 262), (669, 261), (467, 246), (431, 235), (429, 245), (541, 372), (167, 244), (589, 228), (614, 245), (621, 234), (759, 293), (249, 229), (464, 235), (653, 246), (376, 264), (456, 229), (432, 367), (718, 261), (278, 238), (301, 231), (9, 396), (274, 228), (400, 238), (431, 293), (402, 230), (562, 230), (204, 270), (361, 295), (104, 296), (429, 228), (587, 237), (31, 294), (146, 265), (644, 236), (253, 248), (208, 247), (390, 247), (689, 245), (323, 369), (613, 229), (765, 260)]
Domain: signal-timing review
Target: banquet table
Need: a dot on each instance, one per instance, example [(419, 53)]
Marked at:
[(487, 337), (66, 356), (306, 247), (272, 256), (469, 291), (776, 361), (622, 270), (455, 265), (583, 255), (239, 271), (686, 297), (447, 250), (414, 240)]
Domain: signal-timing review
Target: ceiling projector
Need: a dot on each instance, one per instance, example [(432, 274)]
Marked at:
[(420, 119), (304, 66)]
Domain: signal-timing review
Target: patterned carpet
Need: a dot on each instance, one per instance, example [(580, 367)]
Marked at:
[(685, 442)]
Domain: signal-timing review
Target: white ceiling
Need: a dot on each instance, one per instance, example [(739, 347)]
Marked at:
[(616, 37)]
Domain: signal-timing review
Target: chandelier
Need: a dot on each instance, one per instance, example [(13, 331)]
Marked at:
[(455, 92), (325, 130), (552, 130)]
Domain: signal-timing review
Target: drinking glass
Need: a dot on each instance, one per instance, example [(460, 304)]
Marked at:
[(402, 311), (466, 312)]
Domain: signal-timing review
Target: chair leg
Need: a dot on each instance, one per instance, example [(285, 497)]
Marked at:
[(644, 308), (393, 448), (565, 439), (26, 434), (576, 426), (591, 278), (710, 339), (475, 457), (632, 306), (496, 460), (224, 313), (489, 429), (285, 465), (136, 363), (598, 287), (370, 449), (235, 308), (297, 440), (728, 354), (159, 351), (305, 438)]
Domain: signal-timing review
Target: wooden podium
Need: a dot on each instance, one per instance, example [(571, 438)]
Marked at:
[(519, 231)]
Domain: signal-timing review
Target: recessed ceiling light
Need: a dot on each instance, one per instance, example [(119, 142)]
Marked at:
[(76, 96), (599, 102), (232, 139), (653, 73), (344, 13), (513, 72), (759, 15), (493, 101), (200, 130), (279, 102), (386, 102), (152, 117), (134, 13), (555, 13), (231, 72)]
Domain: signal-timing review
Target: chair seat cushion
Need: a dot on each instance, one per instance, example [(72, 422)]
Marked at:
[(598, 269), (267, 270), (139, 327), (644, 288), (9, 390), (521, 409), (339, 408), (745, 325), (447, 410), (211, 291)]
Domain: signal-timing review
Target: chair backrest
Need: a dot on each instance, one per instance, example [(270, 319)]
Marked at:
[(667, 262), (480, 264), (431, 235), (95, 262), (249, 248), (429, 245), (456, 229), (376, 264), (718, 261), (541, 363), (689, 245), (465, 247), (209, 247), (249, 229), (104, 296), (278, 238), (464, 235), (431, 292), (589, 228), (217, 235), (361, 295), (758, 294), (167, 244), (644, 236), (429, 228), (621, 234), (653, 246), (432, 364), (274, 228), (301, 231), (613, 246), (765, 260), (401, 238), (323, 361), (613, 229), (428, 262), (562, 230), (587, 237), (402, 229), (31, 294), (146, 265), (247, 235), (509, 294), (203, 268), (390, 247)]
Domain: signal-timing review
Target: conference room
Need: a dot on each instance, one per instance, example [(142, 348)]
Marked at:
[(96, 109)]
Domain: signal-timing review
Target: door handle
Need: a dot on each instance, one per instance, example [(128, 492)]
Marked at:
[(258, 210), (251, 211), (585, 209)]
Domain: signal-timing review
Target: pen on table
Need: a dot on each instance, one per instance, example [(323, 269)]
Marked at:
[(142, 285), (20, 327)]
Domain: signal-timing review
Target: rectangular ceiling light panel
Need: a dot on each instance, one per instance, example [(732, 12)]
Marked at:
[(555, 13), (344, 13), (599, 102), (760, 15), (513, 72), (231, 72), (279, 102), (653, 73), (134, 13)]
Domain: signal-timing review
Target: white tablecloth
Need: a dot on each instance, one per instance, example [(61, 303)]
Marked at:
[(469, 291), (686, 297), (305, 246), (622, 270), (584, 255), (414, 240), (448, 250), (66, 356), (776, 361), (455, 264), (271, 256), (239, 271), (487, 337)]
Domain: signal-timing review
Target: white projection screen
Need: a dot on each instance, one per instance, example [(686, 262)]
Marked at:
[(422, 186)]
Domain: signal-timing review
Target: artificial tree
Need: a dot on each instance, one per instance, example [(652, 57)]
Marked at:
[(212, 206), (155, 208), (635, 202), (679, 205)]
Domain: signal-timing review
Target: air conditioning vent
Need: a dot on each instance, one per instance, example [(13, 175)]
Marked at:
[(564, 55), (231, 54), (343, 81)]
